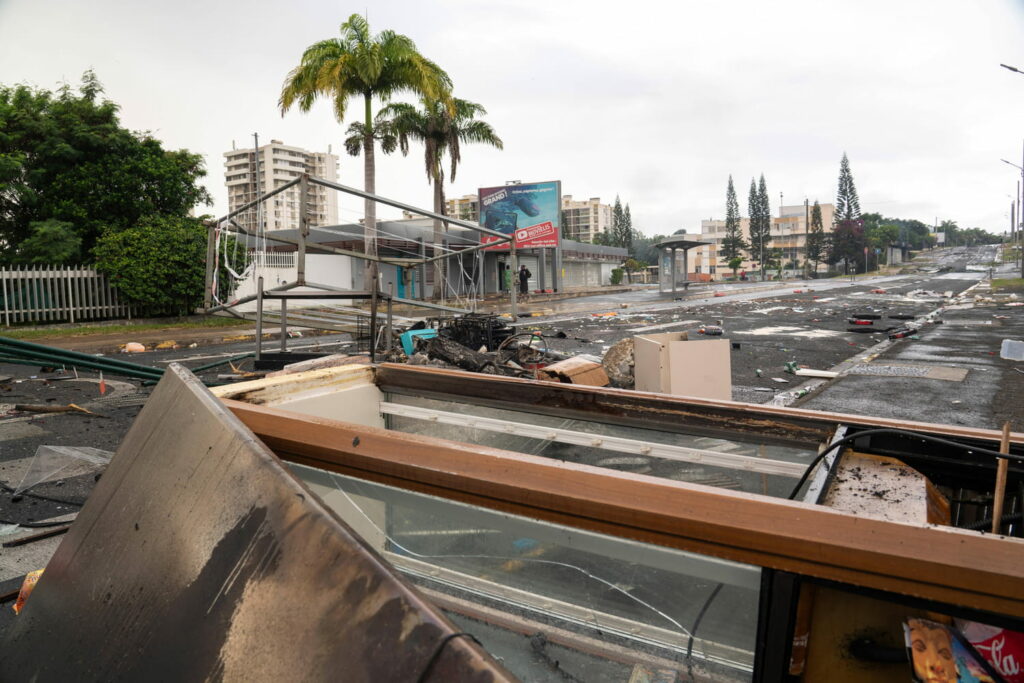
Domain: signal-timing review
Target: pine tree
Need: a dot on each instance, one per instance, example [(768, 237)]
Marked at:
[(815, 237), (760, 222), (618, 222), (733, 241), (847, 203), (848, 231), (627, 229), (765, 206)]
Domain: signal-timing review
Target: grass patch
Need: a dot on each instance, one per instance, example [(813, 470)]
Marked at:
[(1015, 284), (91, 330)]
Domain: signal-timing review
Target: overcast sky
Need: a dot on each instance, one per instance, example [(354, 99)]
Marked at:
[(655, 101)]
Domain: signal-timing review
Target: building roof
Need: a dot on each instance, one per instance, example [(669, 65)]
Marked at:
[(679, 242), (406, 230)]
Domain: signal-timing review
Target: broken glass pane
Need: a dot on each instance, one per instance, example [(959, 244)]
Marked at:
[(555, 601), (51, 463)]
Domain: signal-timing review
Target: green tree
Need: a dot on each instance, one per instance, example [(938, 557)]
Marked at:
[(159, 263), (760, 222), (881, 237), (627, 230), (848, 234), (644, 249), (632, 266), (733, 242), (442, 127), (51, 242), (618, 223), (816, 237), (65, 157), (847, 202), (603, 238), (776, 260), (735, 262), (361, 64)]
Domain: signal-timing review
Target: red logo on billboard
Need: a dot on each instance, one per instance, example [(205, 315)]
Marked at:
[(534, 237)]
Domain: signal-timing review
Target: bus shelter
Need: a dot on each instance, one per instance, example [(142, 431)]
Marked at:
[(673, 262)]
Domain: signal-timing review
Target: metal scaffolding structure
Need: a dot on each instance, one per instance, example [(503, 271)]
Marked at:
[(343, 319)]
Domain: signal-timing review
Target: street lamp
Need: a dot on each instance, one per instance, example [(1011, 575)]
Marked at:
[(1020, 207), (1012, 68)]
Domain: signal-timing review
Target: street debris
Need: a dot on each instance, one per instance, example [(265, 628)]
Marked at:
[(808, 372), (1012, 349), (618, 364), (670, 363), (331, 361), (902, 333), (575, 371), (26, 589), (47, 408), (133, 347)]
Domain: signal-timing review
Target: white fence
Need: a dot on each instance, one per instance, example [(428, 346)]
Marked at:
[(44, 294)]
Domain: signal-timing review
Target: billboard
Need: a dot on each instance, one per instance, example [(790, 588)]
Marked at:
[(530, 211)]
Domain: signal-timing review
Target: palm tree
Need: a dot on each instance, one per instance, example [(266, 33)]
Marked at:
[(442, 128), (362, 64)]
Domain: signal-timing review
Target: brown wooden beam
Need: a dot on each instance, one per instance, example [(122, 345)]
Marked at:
[(937, 563), (649, 410)]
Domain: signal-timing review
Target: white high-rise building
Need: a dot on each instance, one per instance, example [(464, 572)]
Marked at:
[(583, 220), (277, 164)]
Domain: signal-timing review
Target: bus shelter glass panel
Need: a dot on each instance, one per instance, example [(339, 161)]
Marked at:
[(665, 270)]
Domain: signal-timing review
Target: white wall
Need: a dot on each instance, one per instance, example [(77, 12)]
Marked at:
[(323, 269)]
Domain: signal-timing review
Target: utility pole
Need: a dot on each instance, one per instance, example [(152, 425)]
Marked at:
[(807, 230)]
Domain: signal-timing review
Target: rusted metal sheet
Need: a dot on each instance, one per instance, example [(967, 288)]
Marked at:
[(200, 557), (935, 563), (653, 411)]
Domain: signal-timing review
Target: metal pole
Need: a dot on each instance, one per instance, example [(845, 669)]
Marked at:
[(387, 334), (807, 229), (259, 316), (284, 325), (480, 282), (373, 313), (672, 270), (513, 280), (210, 255), (541, 267), (476, 227), (246, 207), (300, 275), (1020, 216)]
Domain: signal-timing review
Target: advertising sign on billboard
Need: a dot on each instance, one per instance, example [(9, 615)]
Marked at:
[(530, 212)]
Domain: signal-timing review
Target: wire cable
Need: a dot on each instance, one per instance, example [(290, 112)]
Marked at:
[(897, 432)]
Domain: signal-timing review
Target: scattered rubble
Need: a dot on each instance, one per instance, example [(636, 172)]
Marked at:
[(575, 371), (618, 363)]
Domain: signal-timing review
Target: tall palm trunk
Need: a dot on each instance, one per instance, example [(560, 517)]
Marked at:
[(369, 185), (439, 266)]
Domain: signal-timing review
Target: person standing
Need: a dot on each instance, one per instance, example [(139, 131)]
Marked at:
[(524, 280)]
